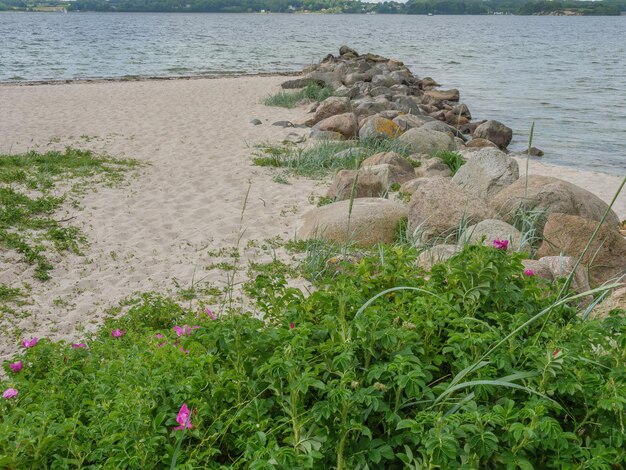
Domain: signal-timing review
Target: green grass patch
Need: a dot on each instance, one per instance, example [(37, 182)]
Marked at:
[(476, 366), (289, 99), (322, 159), (454, 160), (27, 205)]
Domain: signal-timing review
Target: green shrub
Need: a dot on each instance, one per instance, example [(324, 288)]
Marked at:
[(289, 99), (410, 379)]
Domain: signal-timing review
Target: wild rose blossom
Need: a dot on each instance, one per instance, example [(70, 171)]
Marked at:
[(10, 393), (16, 366), (78, 345), (184, 330), (500, 244), (118, 333), (210, 314), (183, 418), (31, 343), (161, 345), (158, 336), (292, 326), (529, 272)]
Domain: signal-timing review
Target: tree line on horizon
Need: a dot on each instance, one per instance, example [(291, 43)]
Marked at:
[(411, 7)]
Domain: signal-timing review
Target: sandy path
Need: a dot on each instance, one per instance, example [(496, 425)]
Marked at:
[(163, 225)]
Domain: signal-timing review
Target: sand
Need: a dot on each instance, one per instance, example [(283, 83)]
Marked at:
[(160, 230)]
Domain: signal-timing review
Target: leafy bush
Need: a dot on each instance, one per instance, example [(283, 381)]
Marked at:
[(286, 99), (425, 375)]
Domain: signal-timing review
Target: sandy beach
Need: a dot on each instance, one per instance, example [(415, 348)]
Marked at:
[(162, 227)]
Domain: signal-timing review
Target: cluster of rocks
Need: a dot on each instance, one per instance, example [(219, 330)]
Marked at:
[(481, 202), (380, 97)]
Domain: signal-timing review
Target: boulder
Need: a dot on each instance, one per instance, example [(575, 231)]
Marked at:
[(411, 186), (540, 269), (462, 110), (301, 83), (616, 301), (441, 127), (431, 167), (546, 195), (493, 229), (569, 234), (562, 266), (478, 143), (325, 135), (389, 158), (487, 173), (372, 220), (346, 124), (428, 82), (436, 254), (383, 80), (371, 181), (408, 104), (345, 50), (410, 121), (370, 106), (381, 91), (438, 207), (426, 141), (441, 95), (330, 107), (495, 132), (377, 127)]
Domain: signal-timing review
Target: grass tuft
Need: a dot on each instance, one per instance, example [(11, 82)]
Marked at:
[(322, 159), (290, 99), (454, 160)]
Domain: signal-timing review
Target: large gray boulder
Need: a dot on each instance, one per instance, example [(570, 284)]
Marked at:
[(562, 267), (492, 229), (447, 95), (372, 220), (545, 195), (486, 173), (438, 207), (569, 234), (431, 167), (369, 181), (436, 254), (420, 140), (496, 132)]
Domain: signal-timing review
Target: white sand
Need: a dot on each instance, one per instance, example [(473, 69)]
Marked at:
[(158, 229)]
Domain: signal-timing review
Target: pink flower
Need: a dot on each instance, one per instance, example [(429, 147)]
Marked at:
[(162, 344), (292, 326), (184, 330), (159, 336), (529, 272), (118, 333), (10, 393), (186, 351), (31, 343), (500, 244), (78, 345), (183, 418), (16, 366), (210, 314)]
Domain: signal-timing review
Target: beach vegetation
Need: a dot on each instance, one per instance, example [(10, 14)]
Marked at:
[(325, 157), (453, 160), (478, 365), (290, 99), (33, 189)]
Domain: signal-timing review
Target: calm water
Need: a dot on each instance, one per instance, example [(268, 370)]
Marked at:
[(566, 74)]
